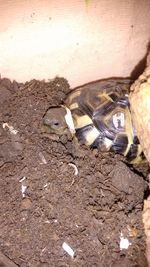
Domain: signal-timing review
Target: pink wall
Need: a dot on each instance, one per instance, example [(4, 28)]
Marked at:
[(77, 39)]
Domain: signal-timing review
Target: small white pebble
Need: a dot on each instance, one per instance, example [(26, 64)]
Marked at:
[(68, 249), (10, 128), (58, 84), (43, 249), (124, 242), (47, 221), (4, 125), (23, 189), (42, 158), (22, 179), (45, 185), (75, 168)]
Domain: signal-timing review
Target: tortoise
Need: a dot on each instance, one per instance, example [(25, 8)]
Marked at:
[(98, 114)]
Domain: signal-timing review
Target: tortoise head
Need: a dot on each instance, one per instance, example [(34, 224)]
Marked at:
[(54, 120)]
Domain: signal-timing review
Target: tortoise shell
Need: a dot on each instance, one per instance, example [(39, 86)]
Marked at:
[(102, 118)]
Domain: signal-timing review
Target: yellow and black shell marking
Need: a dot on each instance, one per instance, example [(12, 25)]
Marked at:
[(102, 118)]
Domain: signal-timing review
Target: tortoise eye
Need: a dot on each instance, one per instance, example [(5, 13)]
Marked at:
[(51, 123), (56, 123)]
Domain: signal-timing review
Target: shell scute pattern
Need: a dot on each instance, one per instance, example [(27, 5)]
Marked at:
[(101, 114)]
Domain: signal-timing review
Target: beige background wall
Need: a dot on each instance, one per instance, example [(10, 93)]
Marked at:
[(80, 40)]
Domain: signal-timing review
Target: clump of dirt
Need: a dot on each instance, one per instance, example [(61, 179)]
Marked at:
[(45, 202)]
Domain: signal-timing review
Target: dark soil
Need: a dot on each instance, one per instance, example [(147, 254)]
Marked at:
[(89, 211)]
